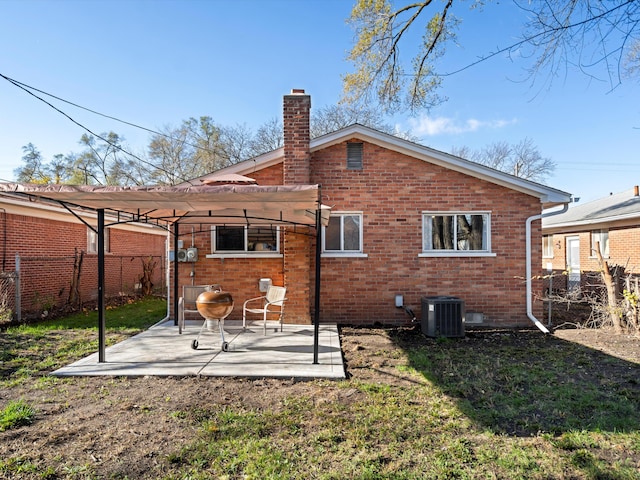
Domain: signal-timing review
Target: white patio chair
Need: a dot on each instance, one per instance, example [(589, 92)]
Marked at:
[(187, 302), (271, 303)]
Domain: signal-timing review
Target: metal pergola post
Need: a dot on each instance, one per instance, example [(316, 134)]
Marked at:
[(316, 315), (176, 232), (101, 319)]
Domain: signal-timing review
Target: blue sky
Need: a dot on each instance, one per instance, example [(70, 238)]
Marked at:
[(156, 63)]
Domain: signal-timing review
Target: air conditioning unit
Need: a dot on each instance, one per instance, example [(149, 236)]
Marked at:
[(192, 254), (443, 316)]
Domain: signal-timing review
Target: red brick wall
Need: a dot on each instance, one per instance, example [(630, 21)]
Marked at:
[(268, 176), (392, 190), (624, 249), (238, 276), (297, 276), (46, 250), (296, 137), (241, 276)]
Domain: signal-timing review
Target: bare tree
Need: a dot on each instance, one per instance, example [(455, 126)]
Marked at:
[(597, 37), (171, 157), (103, 161), (612, 309), (196, 147), (268, 138), (33, 170), (632, 60), (58, 169), (236, 144), (334, 117), (177, 154), (325, 120), (522, 159), (594, 36)]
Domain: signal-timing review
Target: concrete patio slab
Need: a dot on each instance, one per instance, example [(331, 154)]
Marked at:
[(161, 351)]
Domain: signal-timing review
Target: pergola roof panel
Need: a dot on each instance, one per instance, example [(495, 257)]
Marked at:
[(276, 204)]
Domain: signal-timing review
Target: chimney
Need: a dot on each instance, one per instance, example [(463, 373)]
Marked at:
[(297, 158), (636, 191)]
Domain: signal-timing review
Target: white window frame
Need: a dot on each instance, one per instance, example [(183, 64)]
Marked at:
[(342, 252), (427, 236), (245, 253), (92, 241), (601, 235), (547, 246)]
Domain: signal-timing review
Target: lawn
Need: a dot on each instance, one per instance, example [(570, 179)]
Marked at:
[(496, 404)]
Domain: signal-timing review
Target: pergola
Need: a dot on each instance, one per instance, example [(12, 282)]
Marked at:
[(171, 207)]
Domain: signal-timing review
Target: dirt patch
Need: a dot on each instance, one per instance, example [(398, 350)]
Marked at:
[(624, 346), (121, 427)]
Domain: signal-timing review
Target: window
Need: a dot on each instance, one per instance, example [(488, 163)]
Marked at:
[(547, 246), (243, 239), (343, 234), (601, 236), (92, 241), (462, 233), (354, 156)]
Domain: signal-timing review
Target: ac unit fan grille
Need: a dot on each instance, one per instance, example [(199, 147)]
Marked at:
[(443, 316)]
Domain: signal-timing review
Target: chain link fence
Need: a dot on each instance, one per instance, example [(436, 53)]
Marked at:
[(9, 297), (589, 303), (42, 285)]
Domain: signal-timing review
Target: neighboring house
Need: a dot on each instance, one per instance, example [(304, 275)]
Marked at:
[(569, 241), (43, 242), (405, 220)]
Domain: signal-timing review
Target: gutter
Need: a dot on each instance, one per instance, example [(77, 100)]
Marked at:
[(528, 223)]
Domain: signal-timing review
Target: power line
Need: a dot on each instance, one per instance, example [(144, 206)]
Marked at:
[(21, 84), (531, 38), (28, 89), (18, 83)]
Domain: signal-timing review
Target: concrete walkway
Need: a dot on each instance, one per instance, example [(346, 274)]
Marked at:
[(161, 351)]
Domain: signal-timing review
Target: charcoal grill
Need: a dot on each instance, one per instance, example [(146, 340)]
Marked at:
[(213, 305)]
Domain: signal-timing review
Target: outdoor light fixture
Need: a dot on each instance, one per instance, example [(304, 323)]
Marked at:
[(264, 284), (399, 301)]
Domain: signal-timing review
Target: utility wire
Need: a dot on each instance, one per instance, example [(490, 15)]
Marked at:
[(18, 83), (27, 88), (533, 37), (21, 84)]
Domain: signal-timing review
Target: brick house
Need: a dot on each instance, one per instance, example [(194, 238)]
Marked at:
[(405, 220), (46, 240), (569, 240)]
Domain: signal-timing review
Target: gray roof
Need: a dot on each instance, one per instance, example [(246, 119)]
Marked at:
[(619, 207)]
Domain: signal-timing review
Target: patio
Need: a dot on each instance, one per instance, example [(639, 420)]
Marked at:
[(161, 351)]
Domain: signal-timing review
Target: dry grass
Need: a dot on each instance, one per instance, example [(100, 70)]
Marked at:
[(499, 404)]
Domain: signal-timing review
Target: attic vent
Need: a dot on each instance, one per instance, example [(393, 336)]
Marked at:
[(354, 156)]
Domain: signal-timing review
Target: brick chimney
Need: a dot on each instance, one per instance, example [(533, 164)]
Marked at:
[(297, 248), (296, 108)]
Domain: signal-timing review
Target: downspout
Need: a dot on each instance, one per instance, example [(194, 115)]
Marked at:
[(529, 221)]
